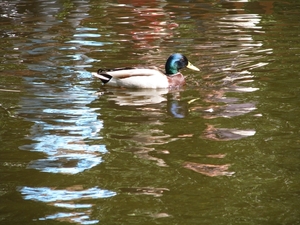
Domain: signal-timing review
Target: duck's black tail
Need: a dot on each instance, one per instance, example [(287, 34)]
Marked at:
[(103, 76)]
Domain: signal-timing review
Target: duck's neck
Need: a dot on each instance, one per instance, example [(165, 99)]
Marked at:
[(171, 67)]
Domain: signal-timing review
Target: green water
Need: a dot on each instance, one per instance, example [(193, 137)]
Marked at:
[(222, 150)]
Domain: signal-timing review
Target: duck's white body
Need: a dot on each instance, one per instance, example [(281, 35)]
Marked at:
[(136, 78)]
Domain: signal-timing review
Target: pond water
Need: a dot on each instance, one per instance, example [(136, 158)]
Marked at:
[(225, 149)]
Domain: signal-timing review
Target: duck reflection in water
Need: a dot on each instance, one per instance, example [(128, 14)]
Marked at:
[(134, 97), (176, 107), (142, 97)]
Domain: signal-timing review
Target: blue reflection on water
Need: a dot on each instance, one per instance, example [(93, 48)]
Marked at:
[(46, 194), (65, 131), (74, 217), (89, 43), (67, 199), (86, 35), (73, 206), (70, 164), (55, 101)]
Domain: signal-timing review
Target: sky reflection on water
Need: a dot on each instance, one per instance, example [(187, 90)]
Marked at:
[(63, 127), (62, 133), (68, 199)]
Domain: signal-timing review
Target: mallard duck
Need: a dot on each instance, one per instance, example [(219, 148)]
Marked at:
[(147, 77)]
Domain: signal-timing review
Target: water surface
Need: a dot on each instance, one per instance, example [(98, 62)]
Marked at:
[(222, 150)]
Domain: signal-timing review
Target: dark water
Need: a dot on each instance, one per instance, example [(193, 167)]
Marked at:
[(223, 150)]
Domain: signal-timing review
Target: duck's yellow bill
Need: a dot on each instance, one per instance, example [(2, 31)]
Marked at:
[(192, 67)]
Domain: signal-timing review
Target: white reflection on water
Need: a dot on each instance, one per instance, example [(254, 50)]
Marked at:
[(88, 43), (74, 217), (64, 131), (60, 164), (64, 128), (137, 97), (67, 199), (46, 194), (234, 35)]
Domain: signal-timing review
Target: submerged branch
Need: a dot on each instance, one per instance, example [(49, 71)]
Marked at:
[(9, 90)]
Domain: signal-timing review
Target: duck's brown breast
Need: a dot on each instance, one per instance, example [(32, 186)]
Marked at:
[(176, 80)]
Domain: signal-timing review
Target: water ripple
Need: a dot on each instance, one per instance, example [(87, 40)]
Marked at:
[(67, 199), (88, 43), (46, 194), (63, 130)]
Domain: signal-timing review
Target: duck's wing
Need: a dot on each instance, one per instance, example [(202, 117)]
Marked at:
[(133, 77), (120, 73), (105, 75)]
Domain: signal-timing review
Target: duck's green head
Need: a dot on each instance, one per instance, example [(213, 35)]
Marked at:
[(176, 62)]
